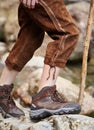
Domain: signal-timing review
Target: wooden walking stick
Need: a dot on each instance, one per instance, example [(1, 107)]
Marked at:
[(85, 52)]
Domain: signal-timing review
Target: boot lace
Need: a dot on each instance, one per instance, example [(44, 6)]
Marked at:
[(58, 98)]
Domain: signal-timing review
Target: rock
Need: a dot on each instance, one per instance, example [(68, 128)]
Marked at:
[(3, 48), (22, 93), (42, 50), (73, 122), (73, 1), (91, 61), (36, 61), (7, 4), (8, 14), (90, 89), (91, 54), (64, 122), (33, 80), (90, 73), (11, 26), (3, 57), (43, 125), (14, 124), (1, 67), (22, 77), (2, 32)]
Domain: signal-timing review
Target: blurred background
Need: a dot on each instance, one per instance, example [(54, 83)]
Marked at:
[(8, 33)]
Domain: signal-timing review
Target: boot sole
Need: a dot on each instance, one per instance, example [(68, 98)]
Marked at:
[(4, 114), (43, 113)]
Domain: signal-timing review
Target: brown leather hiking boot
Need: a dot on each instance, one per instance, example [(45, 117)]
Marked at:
[(8, 107), (47, 103)]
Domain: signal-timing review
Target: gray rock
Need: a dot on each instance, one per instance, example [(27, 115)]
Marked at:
[(43, 125), (90, 89), (3, 57), (63, 122), (2, 32), (74, 1), (36, 61), (3, 48), (73, 122), (11, 27), (91, 62), (8, 17)]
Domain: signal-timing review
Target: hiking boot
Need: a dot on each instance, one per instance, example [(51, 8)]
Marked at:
[(8, 107), (47, 102)]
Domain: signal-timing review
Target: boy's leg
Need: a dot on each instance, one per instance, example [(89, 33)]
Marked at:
[(49, 76), (53, 17), (65, 36), (29, 39), (8, 76)]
